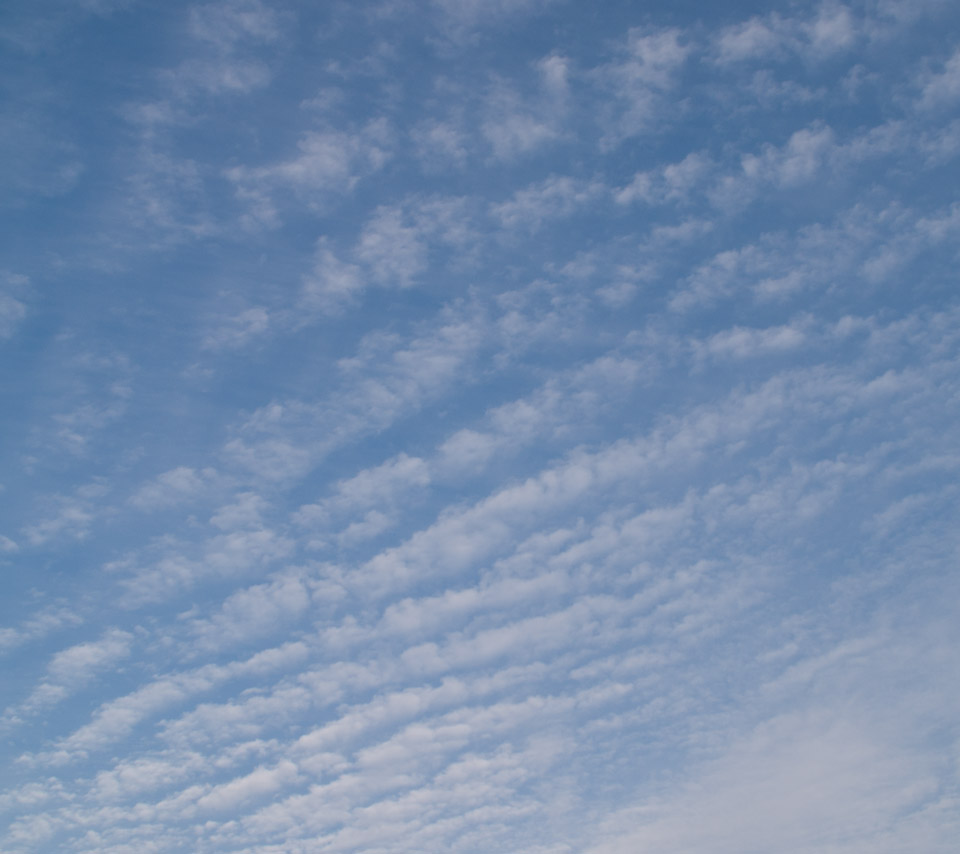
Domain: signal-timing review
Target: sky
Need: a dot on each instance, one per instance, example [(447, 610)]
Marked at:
[(478, 426)]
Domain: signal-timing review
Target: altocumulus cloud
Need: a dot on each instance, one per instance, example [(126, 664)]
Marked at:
[(480, 426)]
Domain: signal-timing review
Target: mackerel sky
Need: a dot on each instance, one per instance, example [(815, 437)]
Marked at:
[(479, 426)]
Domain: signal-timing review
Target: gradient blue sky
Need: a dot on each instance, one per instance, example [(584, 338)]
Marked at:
[(479, 426)]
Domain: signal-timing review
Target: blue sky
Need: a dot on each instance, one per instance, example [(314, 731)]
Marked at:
[(479, 426)]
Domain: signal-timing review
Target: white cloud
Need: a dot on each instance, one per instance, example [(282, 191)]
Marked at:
[(238, 330), (515, 126), (384, 380), (837, 771), (71, 669), (671, 183), (182, 484), (393, 251), (460, 18), (73, 518), (40, 625), (218, 77), (752, 39), (742, 343), (254, 612), (115, 719), (12, 309), (513, 464), (243, 547), (943, 87), (227, 24), (557, 197), (383, 485), (332, 284), (256, 784), (638, 82), (328, 163), (245, 513), (831, 29), (441, 140)]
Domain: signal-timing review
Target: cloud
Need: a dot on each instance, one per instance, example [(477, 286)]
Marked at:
[(671, 183), (460, 18), (557, 197), (382, 486), (486, 426), (514, 126), (743, 343), (256, 784), (228, 24), (71, 669), (180, 485), (943, 87), (113, 720), (329, 163), (73, 518), (332, 284), (391, 250), (235, 553), (751, 39), (12, 309), (39, 625), (382, 381), (254, 612), (832, 771), (650, 66), (831, 29), (441, 141), (239, 330)]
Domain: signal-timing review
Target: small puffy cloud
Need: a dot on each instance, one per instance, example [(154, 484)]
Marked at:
[(332, 283), (742, 343), (804, 154), (238, 330), (79, 662), (254, 612), (73, 518), (243, 790), (393, 250), (468, 450), (638, 82), (219, 77), (831, 29), (751, 39), (12, 308), (516, 126), (807, 154), (557, 197), (231, 23), (71, 669), (383, 483), (443, 141), (39, 625), (328, 163), (245, 512), (459, 19), (673, 182), (941, 88), (376, 494), (512, 131), (179, 485)]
